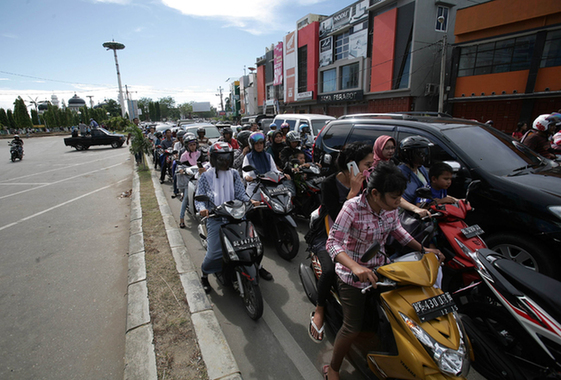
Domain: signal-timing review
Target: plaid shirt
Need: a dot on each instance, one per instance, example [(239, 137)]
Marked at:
[(357, 227)]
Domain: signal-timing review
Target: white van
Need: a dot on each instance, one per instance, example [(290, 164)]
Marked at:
[(315, 121)]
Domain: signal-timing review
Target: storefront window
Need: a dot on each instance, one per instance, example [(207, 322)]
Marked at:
[(349, 76), (342, 46), (552, 49), (329, 80)]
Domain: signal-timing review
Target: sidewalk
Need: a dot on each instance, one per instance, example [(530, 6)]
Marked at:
[(140, 359)]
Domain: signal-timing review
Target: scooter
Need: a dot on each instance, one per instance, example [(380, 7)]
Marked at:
[(308, 189), (513, 319), (272, 217), (16, 152), (419, 334), (242, 252)]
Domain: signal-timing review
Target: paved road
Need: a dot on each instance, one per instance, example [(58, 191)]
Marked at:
[(277, 346), (63, 278)]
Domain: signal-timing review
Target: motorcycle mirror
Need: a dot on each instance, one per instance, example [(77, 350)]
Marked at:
[(472, 186), (429, 234), (202, 198), (424, 192), (327, 159), (248, 168), (371, 252)]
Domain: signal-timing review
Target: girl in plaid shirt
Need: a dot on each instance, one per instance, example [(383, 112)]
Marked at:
[(367, 218)]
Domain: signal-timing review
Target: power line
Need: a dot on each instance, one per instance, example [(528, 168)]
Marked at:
[(50, 80)]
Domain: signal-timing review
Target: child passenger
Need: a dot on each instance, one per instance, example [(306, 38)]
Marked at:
[(363, 220), (440, 175)]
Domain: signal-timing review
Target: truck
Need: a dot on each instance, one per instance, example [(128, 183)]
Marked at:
[(98, 136)]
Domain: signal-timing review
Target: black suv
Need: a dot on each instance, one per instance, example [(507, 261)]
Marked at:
[(518, 203)]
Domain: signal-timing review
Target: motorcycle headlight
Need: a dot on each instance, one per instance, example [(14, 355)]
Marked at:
[(277, 206), (230, 249), (450, 361), (235, 212)]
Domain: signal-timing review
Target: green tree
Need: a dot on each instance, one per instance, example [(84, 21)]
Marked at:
[(144, 105), (113, 108), (21, 116), (152, 111), (185, 110), (3, 118), (35, 117), (139, 143), (167, 107), (157, 114), (11, 121)]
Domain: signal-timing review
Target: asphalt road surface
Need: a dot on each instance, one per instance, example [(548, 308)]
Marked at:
[(63, 279), (277, 346)]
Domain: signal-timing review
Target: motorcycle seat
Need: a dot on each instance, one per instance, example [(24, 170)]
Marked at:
[(545, 290)]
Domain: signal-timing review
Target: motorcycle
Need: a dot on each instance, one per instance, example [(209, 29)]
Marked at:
[(272, 217), (166, 158), (308, 189), (16, 151), (512, 317), (187, 178), (419, 333), (242, 252)]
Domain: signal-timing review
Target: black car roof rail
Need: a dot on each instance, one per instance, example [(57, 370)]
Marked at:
[(395, 115)]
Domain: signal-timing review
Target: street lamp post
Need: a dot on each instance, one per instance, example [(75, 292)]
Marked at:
[(117, 46), (442, 70)]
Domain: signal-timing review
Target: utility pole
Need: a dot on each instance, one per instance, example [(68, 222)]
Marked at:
[(442, 70), (221, 101), (117, 46)]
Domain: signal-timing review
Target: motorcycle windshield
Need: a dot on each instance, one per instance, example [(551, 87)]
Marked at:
[(412, 270)]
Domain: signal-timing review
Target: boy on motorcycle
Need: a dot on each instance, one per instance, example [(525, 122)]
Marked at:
[(19, 143), (221, 184), (370, 217)]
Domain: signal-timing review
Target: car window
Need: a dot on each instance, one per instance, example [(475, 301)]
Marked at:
[(369, 133), (438, 152), (492, 150), (291, 123), (335, 135), (317, 125)]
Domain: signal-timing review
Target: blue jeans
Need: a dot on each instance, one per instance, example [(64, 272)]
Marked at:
[(184, 204), (212, 262)]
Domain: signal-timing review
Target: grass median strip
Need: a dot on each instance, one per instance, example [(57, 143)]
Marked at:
[(177, 352)]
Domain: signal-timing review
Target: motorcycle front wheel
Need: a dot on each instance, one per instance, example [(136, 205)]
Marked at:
[(252, 298), (288, 242)]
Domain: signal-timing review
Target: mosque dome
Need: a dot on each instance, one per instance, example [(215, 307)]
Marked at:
[(76, 101)]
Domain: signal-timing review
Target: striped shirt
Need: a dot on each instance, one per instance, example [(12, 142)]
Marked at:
[(357, 227)]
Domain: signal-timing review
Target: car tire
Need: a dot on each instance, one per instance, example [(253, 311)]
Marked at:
[(79, 147), (526, 251), (115, 144)]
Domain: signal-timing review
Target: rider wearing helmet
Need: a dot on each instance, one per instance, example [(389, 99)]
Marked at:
[(307, 140), (203, 140), (292, 147), (285, 127), (262, 162), (19, 143), (243, 150), (221, 184), (272, 127), (228, 136), (543, 127), (414, 151)]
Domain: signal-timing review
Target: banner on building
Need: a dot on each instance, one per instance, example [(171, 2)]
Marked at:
[(348, 16), (358, 42), (326, 51), (290, 62), (278, 65)]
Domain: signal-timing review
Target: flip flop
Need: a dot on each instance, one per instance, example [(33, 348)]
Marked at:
[(182, 225), (313, 326), (325, 371)]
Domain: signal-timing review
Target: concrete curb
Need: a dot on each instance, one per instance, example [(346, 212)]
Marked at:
[(140, 357), (216, 352)]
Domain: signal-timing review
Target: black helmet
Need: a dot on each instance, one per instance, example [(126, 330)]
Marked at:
[(221, 155), (412, 147), (201, 130), (158, 135), (227, 131), (243, 138), (180, 134)]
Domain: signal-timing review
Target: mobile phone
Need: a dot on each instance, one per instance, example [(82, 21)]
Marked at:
[(199, 165), (353, 168)]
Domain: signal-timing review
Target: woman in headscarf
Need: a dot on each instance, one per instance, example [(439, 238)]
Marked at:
[(384, 149), (276, 146)]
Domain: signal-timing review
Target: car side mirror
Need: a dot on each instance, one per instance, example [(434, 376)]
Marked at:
[(456, 166)]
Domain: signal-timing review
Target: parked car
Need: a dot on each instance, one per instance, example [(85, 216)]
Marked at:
[(518, 204), (210, 130), (255, 119), (315, 121)]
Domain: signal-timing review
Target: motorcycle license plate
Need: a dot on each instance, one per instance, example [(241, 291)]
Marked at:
[(240, 245), (435, 307), (472, 231), (278, 190)]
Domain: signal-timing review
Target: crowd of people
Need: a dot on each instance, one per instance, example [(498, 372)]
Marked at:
[(360, 201)]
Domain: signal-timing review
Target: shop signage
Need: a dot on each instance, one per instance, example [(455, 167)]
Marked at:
[(350, 15), (305, 95), (277, 65), (338, 97)]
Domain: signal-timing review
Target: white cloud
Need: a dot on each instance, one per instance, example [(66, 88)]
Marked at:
[(255, 17), (120, 2), (4, 79), (9, 35)]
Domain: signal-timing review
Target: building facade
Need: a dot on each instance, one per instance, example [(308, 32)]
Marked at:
[(508, 68)]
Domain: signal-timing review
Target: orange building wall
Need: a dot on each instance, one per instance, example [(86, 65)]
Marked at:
[(548, 77), (508, 82), (309, 35), (261, 85), (505, 16), (383, 46)]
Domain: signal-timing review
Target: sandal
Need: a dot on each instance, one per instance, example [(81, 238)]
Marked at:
[(181, 225), (318, 331), (325, 371)]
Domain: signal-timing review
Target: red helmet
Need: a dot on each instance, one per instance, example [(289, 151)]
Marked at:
[(543, 122)]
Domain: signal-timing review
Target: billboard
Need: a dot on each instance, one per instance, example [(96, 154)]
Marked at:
[(290, 62), (326, 51), (350, 15), (201, 106), (278, 65)]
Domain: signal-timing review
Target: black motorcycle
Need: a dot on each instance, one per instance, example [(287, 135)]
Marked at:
[(242, 252), (272, 218), (16, 151)]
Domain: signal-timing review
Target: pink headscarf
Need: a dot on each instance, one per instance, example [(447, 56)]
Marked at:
[(379, 147)]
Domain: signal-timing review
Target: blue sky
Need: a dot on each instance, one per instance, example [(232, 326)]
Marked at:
[(180, 48)]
